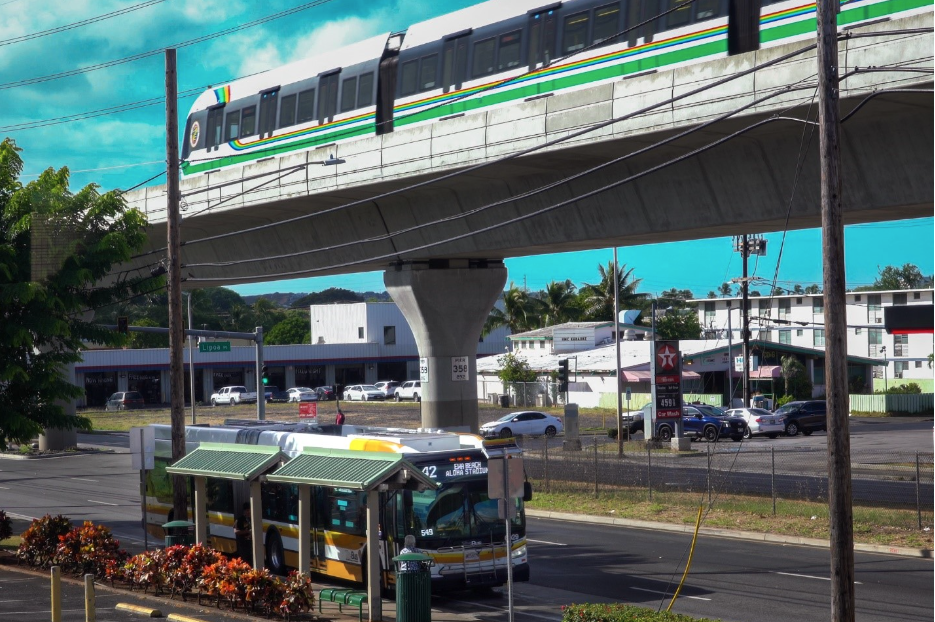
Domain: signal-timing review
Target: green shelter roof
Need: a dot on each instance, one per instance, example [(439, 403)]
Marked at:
[(228, 461), (355, 470)]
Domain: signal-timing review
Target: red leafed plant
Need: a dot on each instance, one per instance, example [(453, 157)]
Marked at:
[(6, 527), (298, 595), (184, 578), (40, 540), (145, 571), (86, 550), (222, 580)]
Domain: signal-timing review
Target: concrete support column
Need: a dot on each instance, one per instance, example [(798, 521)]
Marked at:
[(61, 438), (123, 382), (305, 528), (201, 511), (446, 308), (290, 377), (256, 525)]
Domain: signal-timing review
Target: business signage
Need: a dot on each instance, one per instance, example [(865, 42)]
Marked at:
[(667, 376), (308, 410), (572, 339)]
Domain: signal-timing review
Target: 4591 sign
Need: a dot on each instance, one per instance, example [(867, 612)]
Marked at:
[(460, 370)]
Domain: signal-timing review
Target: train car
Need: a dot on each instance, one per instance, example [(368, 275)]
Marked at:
[(457, 524), (493, 54)]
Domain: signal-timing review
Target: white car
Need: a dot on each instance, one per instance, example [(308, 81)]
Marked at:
[(302, 394), (530, 423), (363, 392), (760, 421), (409, 390), (388, 387)]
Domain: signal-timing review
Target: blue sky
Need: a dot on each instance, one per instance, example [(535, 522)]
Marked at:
[(123, 149)]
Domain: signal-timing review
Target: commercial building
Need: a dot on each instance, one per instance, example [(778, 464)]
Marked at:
[(351, 343)]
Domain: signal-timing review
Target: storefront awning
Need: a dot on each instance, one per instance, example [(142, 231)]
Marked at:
[(646, 376), (228, 461), (354, 470), (767, 371)]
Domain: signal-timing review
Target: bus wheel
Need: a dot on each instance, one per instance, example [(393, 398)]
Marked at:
[(275, 555)]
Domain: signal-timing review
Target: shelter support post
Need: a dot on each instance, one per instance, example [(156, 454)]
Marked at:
[(305, 526), (201, 511), (446, 304), (374, 603), (256, 525)]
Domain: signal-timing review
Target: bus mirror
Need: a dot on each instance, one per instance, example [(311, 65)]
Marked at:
[(527, 491)]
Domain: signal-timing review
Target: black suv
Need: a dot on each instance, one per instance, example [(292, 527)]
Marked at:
[(805, 417)]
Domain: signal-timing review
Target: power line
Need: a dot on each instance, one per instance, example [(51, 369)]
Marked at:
[(84, 22), (142, 55)]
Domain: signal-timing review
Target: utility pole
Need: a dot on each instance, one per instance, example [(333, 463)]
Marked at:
[(730, 362), (617, 366), (832, 236), (174, 280), (745, 322), (191, 357)]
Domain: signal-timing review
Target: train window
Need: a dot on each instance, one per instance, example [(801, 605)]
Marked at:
[(575, 33), (508, 55), (232, 126), (548, 38), (306, 109), (606, 23), (535, 33), (681, 16), (484, 52), (214, 130), (365, 90), (706, 9), (349, 94), (454, 62), (409, 74), (327, 96), (248, 121), (287, 111), (428, 72)]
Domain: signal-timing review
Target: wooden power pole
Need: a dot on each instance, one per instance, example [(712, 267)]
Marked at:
[(174, 279), (832, 235)]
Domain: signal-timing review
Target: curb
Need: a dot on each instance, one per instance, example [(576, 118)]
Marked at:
[(729, 533), (176, 617), (143, 611)]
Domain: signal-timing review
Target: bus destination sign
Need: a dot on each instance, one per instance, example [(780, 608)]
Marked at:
[(445, 470)]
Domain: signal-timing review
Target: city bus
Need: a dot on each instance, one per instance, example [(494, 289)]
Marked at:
[(456, 524)]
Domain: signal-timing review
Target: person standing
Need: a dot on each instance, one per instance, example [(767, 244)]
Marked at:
[(409, 546), (339, 420), (244, 534)]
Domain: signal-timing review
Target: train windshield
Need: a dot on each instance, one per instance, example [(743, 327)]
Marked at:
[(461, 511)]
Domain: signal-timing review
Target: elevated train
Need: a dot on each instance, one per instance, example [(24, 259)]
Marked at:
[(497, 53)]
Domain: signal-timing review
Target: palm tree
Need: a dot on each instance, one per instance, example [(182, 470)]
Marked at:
[(515, 313), (598, 299), (791, 368), (557, 303)]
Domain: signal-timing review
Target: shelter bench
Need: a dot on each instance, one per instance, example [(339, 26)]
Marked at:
[(343, 596)]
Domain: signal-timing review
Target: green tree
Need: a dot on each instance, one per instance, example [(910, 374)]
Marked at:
[(557, 303), (332, 295), (597, 300), (797, 289), (813, 289), (907, 277), (293, 328), (796, 379), (678, 324), (47, 306), (678, 298), (712, 294), (267, 314), (517, 313), (725, 290), (778, 291), (514, 369), (147, 340)]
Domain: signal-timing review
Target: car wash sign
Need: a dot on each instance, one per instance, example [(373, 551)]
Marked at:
[(667, 379)]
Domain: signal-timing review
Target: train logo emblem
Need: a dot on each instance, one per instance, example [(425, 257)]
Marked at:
[(195, 134)]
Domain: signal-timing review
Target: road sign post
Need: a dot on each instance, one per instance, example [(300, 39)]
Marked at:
[(143, 458), (505, 483)]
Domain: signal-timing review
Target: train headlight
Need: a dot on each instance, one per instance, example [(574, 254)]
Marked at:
[(520, 552)]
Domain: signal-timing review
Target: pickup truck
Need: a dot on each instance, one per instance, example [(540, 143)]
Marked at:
[(233, 395)]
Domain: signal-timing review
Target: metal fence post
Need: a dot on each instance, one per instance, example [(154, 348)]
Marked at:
[(918, 492), (772, 476), (595, 466), (649, 469), (709, 474), (89, 614), (548, 487)]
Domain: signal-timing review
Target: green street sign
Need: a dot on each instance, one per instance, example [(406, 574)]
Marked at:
[(214, 346)]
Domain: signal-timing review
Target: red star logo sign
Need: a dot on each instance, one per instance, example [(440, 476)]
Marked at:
[(666, 357)]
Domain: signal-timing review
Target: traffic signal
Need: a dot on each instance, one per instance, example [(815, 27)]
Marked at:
[(563, 375), (123, 325), (265, 377)]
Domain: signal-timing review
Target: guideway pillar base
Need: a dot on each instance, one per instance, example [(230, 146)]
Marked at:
[(446, 304)]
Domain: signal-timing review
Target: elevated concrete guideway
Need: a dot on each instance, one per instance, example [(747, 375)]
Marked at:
[(744, 185)]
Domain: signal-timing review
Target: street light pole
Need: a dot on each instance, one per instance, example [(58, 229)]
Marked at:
[(191, 357), (885, 365), (617, 364)]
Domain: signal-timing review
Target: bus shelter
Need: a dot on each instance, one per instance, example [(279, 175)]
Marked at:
[(241, 463), (360, 471)]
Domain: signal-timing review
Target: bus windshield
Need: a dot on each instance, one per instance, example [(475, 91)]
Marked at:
[(460, 511)]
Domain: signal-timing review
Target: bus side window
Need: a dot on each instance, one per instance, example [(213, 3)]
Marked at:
[(219, 495)]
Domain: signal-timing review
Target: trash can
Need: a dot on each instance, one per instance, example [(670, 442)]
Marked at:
[(179, 532), (505, 401), (413, 588)]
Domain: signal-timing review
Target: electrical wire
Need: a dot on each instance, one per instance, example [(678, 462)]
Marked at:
[(182, 44), (84, 22)]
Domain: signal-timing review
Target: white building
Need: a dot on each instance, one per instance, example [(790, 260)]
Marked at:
[(798, 320), (573, 337)]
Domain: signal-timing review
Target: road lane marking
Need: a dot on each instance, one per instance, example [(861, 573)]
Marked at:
[(643, 589), (84, 480), (3, 488), (101, 502), (545, 542), (808, 576), (500, 608)]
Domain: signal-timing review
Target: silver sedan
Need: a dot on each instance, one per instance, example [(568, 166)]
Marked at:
[(760, 421)]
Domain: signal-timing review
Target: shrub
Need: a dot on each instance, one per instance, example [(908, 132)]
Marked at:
[(6, 527), (298, 595), (40, 540), (785, 399), (87, 550), (617, 612)]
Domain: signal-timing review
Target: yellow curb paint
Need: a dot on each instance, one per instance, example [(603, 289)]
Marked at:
[(146, 611), (175, 617)]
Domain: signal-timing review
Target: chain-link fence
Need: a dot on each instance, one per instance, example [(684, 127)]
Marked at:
[(540, 393), (756, 478)]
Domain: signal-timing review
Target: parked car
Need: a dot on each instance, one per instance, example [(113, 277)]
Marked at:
[(273, 394), (409, 390), (634, 419), (363, 392), (302, 394), (704, 423), (760, 421), (233, 395), (325, 393), (388, 387), (530, 423), (124, 400), (806, 417)]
